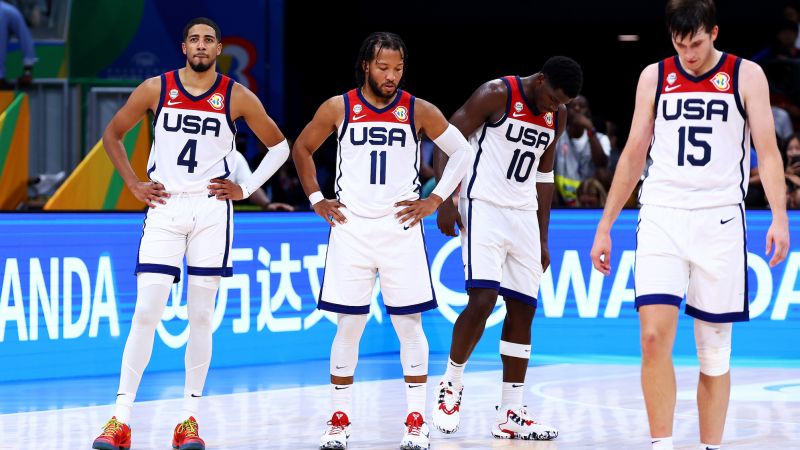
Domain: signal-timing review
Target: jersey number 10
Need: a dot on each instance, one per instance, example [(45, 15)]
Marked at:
[(520, 163)]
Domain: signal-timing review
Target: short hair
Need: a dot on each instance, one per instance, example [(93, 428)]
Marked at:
[(564, 73), (687, 17), (372, 45), (202, 21)]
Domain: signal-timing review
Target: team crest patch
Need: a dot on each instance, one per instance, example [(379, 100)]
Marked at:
[(401, 113), (721, 81), (357, 108), (518, 107), (548, 119), (217, 101), (672, 77), (173, 94)]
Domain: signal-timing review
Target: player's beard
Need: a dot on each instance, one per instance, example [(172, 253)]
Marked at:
[(377, 89), (199, 67)]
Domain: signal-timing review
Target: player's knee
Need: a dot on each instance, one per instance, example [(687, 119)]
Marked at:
[(655, 342), (519, 313), (481, 306), (204, 281), (413, 344), (713, 347), (349, 328)]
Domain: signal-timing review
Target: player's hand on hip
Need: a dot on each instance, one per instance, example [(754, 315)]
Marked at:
[(329, 210), (601, 252), (777, 239), (545, 257), (415, 210), (448, 218), (150, 192), (225, 189)]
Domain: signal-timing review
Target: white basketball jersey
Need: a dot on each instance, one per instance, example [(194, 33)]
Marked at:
[(377, 163), (701, 143), (508, 153), (193, 135)]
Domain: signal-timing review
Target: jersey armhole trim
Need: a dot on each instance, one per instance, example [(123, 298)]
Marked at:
[(659, 87), (346, 98), (736, 96), (508, 105), (228, 94), (160, 98), (411, 116)]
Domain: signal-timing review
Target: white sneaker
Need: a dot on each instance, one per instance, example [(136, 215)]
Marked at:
[(335, 437), (447, 413), (416, 435), (517, 424)]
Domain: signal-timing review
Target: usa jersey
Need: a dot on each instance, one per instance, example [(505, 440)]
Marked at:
[(377, 163), (700, 150), (193, 135), (508, 153)]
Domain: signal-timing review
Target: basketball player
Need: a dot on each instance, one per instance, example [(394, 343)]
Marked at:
[(513, 124), (695, 113), (195, 109), (376, 221)]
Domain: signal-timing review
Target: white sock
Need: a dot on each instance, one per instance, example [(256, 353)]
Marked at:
[(200, 300), (153, 290), (710, 446), (416, 393), (454, 372), (342, 397), (512, 395), (662, 443)]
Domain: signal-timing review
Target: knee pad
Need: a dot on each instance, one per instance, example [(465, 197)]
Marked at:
[(515, 350), (344, 350), (713, 342), (413, 343)]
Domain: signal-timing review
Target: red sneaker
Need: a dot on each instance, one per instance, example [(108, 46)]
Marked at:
[(116, 436), (186, 437)]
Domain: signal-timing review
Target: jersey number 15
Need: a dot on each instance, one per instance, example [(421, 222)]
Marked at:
[(696, 141)]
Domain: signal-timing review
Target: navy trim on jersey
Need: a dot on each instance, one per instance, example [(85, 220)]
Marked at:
[(510, 294), (412, 309), (658, 299), (508, 105), (736, 95), (742, 316), (227, 169), (338, 169), (160, 98), (324, 267), (411, 115), (417, 158), (531, 106), (201, 96), (397, 97), (159, 268), (746, 300), (702, 77), (428, 262), (144, 225), (344, 309), (228, 92), (150, 170), (659, 87), (481, 284), (477, 159), (346, 116), (210, 271), (636, 250), (227, 235), (469, 238), (742, 185)]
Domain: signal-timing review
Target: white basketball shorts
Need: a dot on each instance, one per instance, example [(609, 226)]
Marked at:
[(501, 249), (193, 225), (701, 253), (363, 248)]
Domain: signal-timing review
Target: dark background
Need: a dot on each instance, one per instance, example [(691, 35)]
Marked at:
[(456, 46)]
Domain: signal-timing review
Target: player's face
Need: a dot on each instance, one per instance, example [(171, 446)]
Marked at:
[(548, 99), (201, 47), (695, 50), (385, 72)]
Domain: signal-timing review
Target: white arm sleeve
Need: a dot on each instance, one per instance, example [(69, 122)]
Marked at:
[(273, 161), (461, 156), (545, 177)]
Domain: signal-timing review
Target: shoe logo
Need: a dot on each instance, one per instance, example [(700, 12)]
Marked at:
[(339, 388), (723, 222), (119, 395), (341, 367), (413, 366), (653, 442), (517, 114), (412, 386), (196, 396), (359, 117), (170, 103), (671, 88), (516, 385)]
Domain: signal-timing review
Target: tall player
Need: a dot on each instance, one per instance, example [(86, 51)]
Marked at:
[(695, 113), (514, 124), (376, 221), (190, 211)]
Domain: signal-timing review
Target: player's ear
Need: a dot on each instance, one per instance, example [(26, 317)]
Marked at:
[(183, 47), (714, 33)]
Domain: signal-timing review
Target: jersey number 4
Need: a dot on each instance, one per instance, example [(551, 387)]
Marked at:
[(696, 141), (189, 149), (520, 163)]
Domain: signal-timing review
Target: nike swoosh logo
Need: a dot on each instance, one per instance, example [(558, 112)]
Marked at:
[(119, 395), (340, 367), (405, 227), (517, 385), (671, 88), (359, 117), (338, 388), (170, 103), (413, 366), (723, 222), (196, 396), (517, 114), (412, 387)]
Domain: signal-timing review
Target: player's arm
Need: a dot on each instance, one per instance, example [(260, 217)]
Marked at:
[(629, 167), (485, 102), (311, 138), (544, 186), (144, 98), (755, 95), (245, 104)]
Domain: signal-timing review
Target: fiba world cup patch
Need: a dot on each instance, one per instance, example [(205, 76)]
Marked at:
[(721, 81), (401, 113), (548, 119), (217, 101)]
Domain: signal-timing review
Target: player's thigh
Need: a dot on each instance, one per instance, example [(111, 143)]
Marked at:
[(208, 250), (522, 269), (483, 246), (661, 272), (163, 241)]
